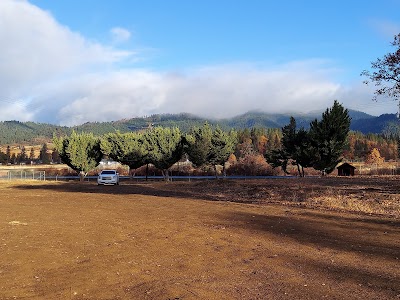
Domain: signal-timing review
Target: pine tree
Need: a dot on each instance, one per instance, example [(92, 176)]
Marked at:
[(3, 158), (329, 137), (22, 157), (8, 154), (198, 144), (304, 153), (55, 156), (44, 156), (296, 147), (205, 146), (222, 145), (13, 159), (32, 154), (398, 147)]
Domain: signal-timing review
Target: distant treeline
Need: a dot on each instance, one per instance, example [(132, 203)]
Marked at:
[(250, 140)]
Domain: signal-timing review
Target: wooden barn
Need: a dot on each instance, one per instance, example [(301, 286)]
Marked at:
[(346, 169)]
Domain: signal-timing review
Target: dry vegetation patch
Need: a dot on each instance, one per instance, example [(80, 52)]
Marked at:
[(371, 195)]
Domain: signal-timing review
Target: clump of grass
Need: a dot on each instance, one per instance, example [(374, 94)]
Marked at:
[(368, 204)]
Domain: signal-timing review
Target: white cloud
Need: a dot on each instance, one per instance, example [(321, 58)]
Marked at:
[(58, 76), (17, 110), (218, 92), (358, 96), (35, 48), (114, 96), (120, 34)]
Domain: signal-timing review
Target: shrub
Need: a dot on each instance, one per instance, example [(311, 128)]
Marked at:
[(252, 165)]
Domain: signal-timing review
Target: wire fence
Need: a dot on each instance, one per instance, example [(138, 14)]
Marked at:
[(23, 175)]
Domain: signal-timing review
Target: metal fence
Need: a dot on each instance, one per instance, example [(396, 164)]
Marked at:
[(24, 175)]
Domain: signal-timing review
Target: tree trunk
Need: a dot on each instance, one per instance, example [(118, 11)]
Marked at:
[(166, 174), (81, 176), (132, 173), (298, 169)]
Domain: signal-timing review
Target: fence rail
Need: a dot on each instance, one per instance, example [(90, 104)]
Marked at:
[(23, 175), (141, 178)]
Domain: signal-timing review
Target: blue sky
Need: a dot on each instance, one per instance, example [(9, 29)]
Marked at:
[(69, 62)]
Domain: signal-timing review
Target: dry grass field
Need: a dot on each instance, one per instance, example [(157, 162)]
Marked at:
[(313, 238)]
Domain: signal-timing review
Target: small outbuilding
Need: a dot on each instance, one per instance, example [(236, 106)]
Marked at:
[(346, 169)]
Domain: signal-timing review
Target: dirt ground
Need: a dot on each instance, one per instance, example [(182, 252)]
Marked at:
[(261, 239)]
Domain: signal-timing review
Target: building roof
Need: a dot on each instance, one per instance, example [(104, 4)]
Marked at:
[(346, 165)]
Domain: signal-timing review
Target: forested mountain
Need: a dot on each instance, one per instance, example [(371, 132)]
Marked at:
[(381, 124), (15, 132), (260, 119), (28, 132)]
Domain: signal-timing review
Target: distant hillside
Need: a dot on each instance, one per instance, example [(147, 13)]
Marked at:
[(15, 132), (374, 124), (12, 132), (259, 119), (359, 115)]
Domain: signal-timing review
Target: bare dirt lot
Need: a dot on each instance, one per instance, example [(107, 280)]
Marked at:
[(262, 239)]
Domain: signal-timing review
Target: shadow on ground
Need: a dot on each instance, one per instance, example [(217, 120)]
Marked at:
[(360, 245), (358, 235)]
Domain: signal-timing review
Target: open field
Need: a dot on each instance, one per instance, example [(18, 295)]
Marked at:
[(261, 239)]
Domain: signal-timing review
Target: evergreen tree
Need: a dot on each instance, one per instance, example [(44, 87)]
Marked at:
[(280, 157), (13, 159), (127, 148), (44, 156), (22, 157), (55, 156), (222, 145), (8, 154), (296, 147), (205, 146), (329, 137), (32, 154), (277, 158), (398, 147), (165, 148), (198, 144), (304, 153), (80, 151), (289, 138), (3, 158)]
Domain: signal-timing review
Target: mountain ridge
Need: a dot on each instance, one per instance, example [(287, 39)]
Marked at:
[(14, 132)]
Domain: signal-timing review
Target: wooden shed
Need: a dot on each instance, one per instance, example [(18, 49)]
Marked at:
[(346, 169)]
